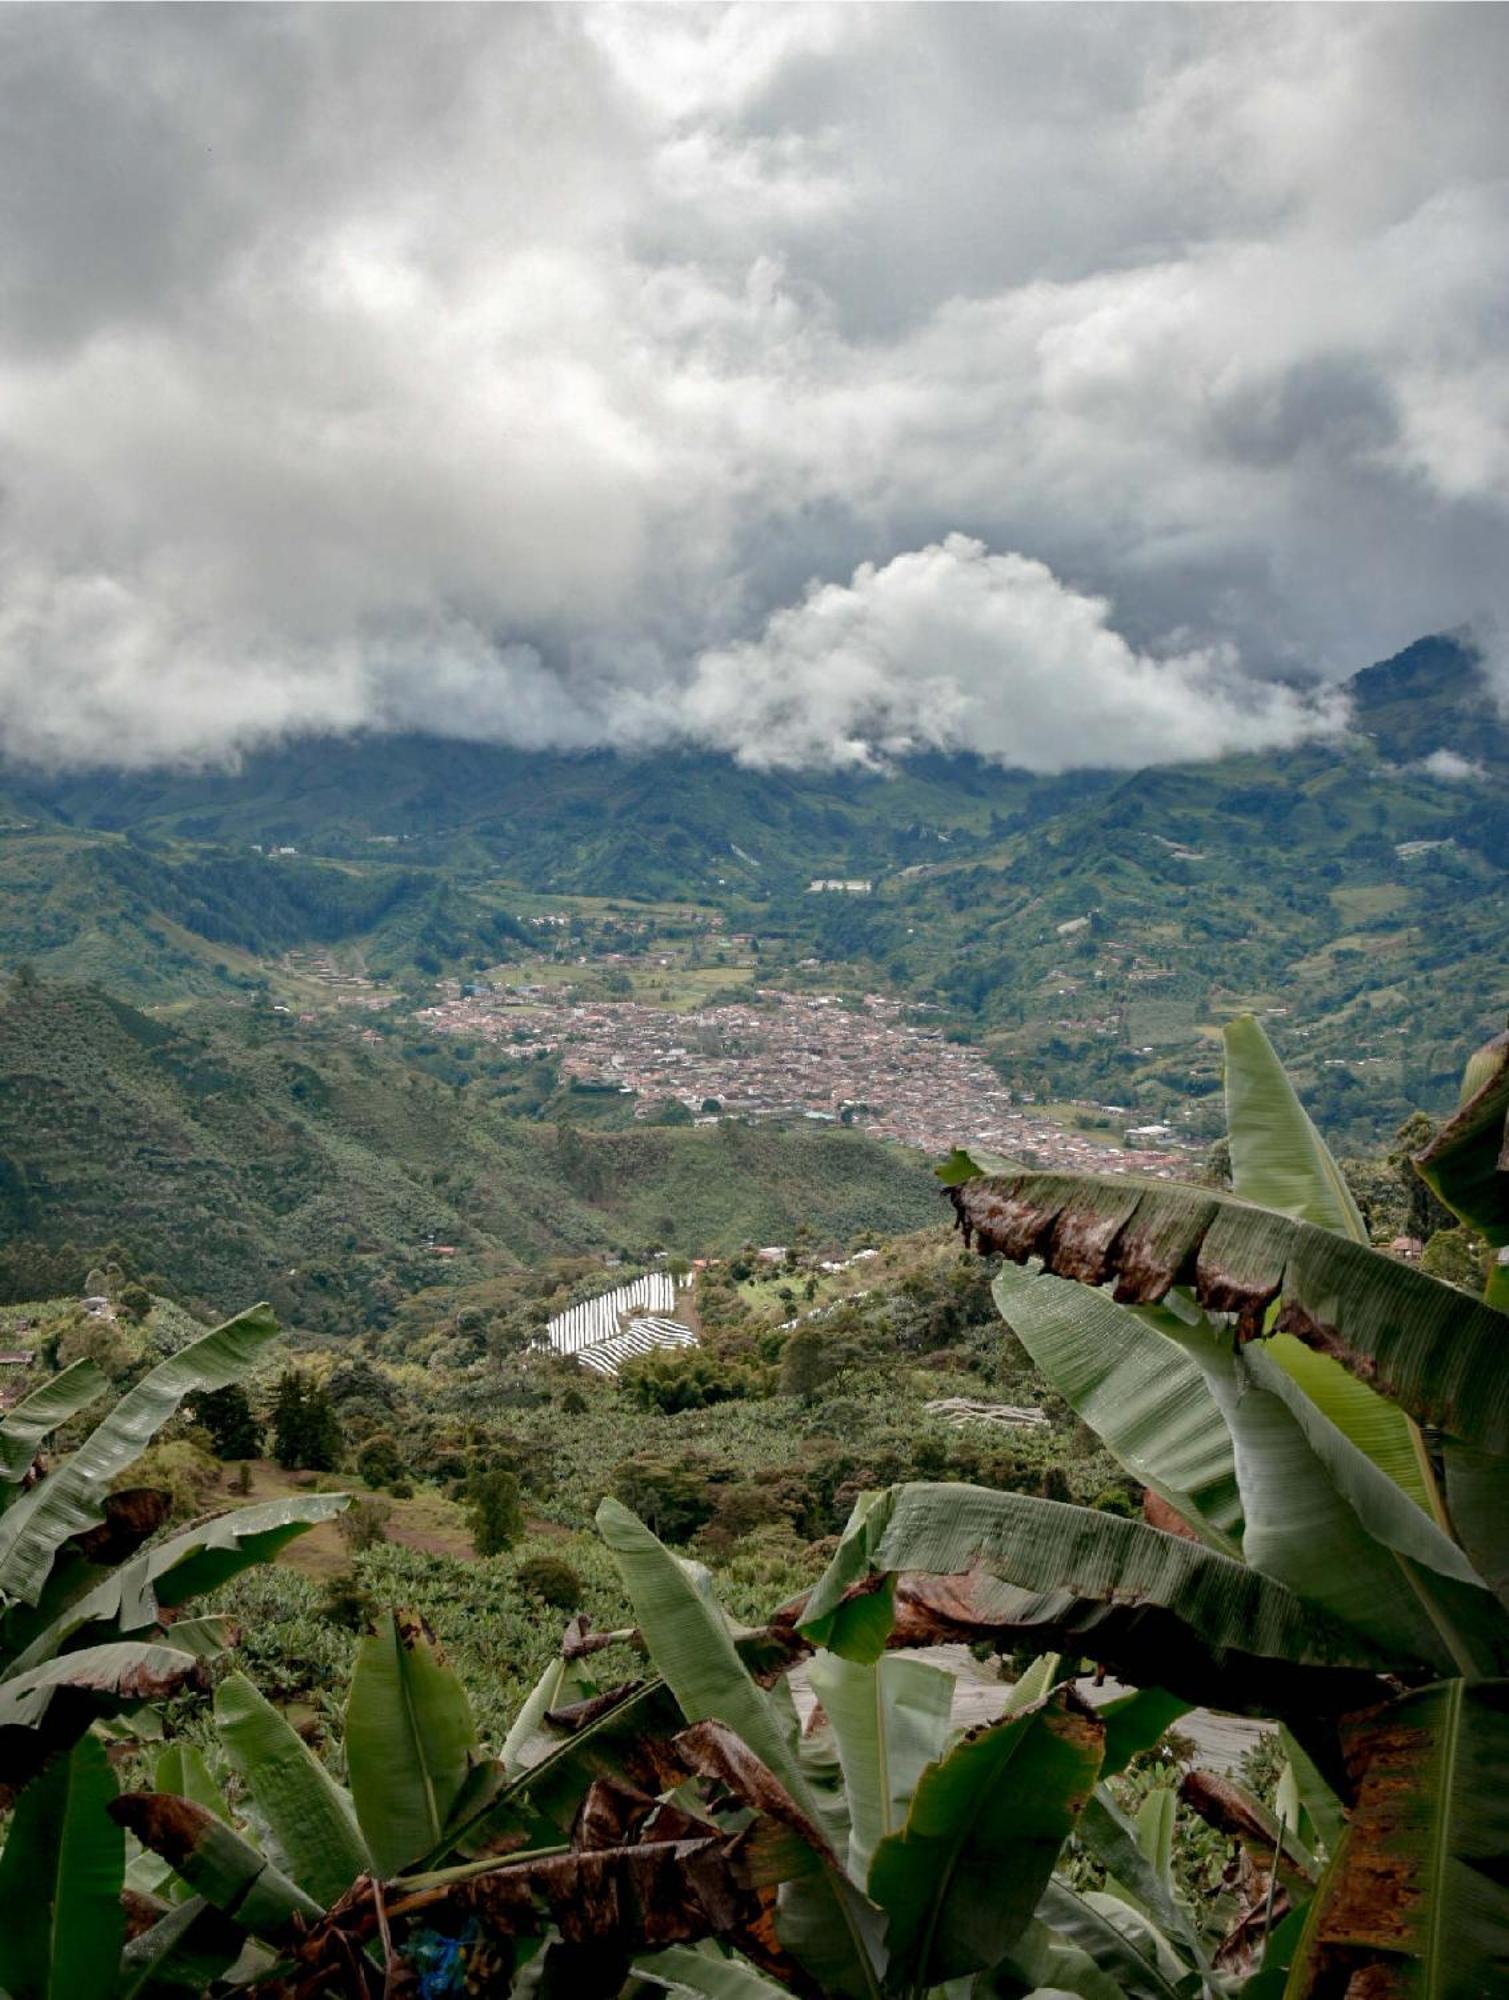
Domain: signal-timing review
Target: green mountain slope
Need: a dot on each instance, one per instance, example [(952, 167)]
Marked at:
[(255, 1157), (1092, 931)]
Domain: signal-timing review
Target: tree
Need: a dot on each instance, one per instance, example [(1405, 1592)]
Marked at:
[(227, 1415), (380, 1461), (306, 1432), (807, 1363), (495, 1511)]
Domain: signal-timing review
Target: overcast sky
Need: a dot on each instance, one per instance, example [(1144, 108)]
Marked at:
[(811, 384)]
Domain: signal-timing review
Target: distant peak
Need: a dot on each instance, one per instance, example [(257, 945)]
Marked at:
[(1443, 667)]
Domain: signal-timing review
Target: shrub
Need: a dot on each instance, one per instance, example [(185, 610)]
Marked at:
[(347, 1603), (497, 1517), (364, 1524), (552, 1580), (380, 1461)]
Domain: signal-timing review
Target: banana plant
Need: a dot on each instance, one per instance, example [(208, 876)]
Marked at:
[(678, 1832), (91, 1627), (1324, 1436)]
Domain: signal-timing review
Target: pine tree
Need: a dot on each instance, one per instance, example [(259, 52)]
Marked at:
[(306, 1432), (227, 1415)]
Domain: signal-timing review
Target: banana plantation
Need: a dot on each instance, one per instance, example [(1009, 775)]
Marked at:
[(1321, 1436)]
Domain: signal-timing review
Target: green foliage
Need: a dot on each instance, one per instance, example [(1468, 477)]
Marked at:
[(380, 1461), (226, 1414), (306, 1431), (550, 1579), (495, 1510), (807, 1362)]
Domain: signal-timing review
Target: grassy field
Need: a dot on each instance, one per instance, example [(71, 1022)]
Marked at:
[(428, 1522)]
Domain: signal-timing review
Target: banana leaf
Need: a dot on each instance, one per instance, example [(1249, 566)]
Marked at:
[(184, 1952), (61, 1923), (43, 1711), (70, 1498), (1323, 1519), (1376, 1426), (1134, 1722), (1207, 1610), (409, 1741), (890, 1720), (1415, 1899), (308, 1814), (1278, 1159), (1467, 1162), (1477, 1498), (703, 1969), (217, 1863), (1044, 1962), (132, 1597), (1137, 1857), (1438, 1354), (1131, 1959), (1320, 1804), (182, 1770), (1144, 1398), (38, 1415), (823, 1920), (960, 1880)]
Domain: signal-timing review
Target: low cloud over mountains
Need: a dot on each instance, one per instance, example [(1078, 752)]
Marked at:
[(811, 384)]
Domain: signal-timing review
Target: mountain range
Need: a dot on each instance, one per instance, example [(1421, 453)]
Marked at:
[(1089, 931)]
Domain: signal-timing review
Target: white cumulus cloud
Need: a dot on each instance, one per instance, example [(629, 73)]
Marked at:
[(952, 647)]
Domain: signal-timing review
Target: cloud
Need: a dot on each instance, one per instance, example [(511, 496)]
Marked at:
[(1452, 768), (511, 372), (951, 647)]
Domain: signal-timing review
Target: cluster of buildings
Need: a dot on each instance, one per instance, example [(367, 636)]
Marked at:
[(792, 1055)]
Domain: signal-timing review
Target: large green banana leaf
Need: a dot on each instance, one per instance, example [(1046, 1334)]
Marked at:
[(961, 1878), (409, 1742), (1131, 1958), (132, 1597), (1143, 1397), (1375, 1425), (61, 1924), (693, 1649), (69, 1499), (1278, 1159), (890, 1719), (1137, 1857), (1438, 1354), (308, 1814), (824, 1922), (1045, 1545), (38, 1415), (1416, 1899), (1467, 1162), (1323, 1519)]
